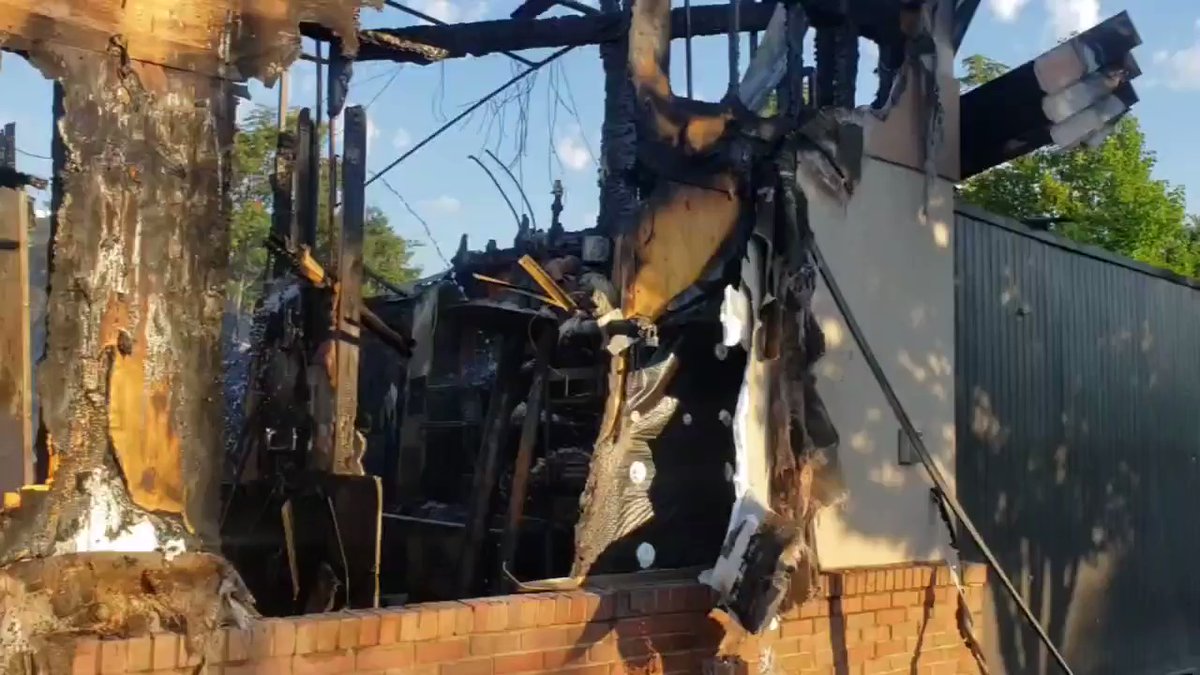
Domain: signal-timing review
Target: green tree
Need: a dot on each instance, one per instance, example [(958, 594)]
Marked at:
[(1105, 196), (385, 252), (979, 70)]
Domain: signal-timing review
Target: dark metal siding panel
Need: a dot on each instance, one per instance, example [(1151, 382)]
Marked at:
[(1078, 415)]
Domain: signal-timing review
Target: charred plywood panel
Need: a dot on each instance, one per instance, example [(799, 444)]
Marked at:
[(16, 434)]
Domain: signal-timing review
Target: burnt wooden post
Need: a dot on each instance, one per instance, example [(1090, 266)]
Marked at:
[(487, 462), (307, 178), (529, 430), (283, 215), (16, 410), (348, 449), (618, 141)]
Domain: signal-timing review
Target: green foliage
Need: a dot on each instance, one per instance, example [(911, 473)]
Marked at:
[(980, 69), (1106, 196), (385, 252)]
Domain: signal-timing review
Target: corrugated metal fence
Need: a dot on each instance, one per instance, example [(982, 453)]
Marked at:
[(1078, 377)]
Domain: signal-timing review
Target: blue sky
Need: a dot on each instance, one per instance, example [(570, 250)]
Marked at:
[(550, 129)]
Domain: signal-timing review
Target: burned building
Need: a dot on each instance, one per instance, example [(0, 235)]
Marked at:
[(678, 394)]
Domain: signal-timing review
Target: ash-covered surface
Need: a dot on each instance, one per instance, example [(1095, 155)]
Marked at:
[(46, 602)]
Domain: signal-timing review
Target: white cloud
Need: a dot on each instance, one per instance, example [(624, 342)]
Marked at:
[(453, 11), (573, 152), (1007, 10), (306, 83), (401, 139), (444, 205), (1072, 16), (1180, 69), (372, 132), (1066, 16)]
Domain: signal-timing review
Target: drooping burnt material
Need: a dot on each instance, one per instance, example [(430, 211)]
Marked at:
[(724, 207)]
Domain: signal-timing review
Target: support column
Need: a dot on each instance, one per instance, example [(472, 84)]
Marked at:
[(131, 380)]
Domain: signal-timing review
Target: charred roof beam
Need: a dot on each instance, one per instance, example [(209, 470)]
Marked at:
[(531, 9), (423, 45), (1073, 94)]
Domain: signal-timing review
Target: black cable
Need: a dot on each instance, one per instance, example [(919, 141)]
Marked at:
[(414, 214), (495, 182), (470, 109), (520, 190), (30, 154), (385, 87), (918, 444)]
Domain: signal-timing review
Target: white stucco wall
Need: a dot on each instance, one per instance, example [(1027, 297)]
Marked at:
[(895, 270), (895, 266)]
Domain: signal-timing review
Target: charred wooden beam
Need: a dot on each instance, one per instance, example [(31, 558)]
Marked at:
[(525, 447), (487, 462), (130, 380), (181, 35), (1066, 96), (423, 45), (307, 178), (283, 214), (348, 457), (531, 9), (618, 141)]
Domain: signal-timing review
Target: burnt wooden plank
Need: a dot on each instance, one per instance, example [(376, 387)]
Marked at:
[(16, 433)]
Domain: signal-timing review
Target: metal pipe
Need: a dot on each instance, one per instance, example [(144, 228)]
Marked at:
[(735, 20), (687, 43)]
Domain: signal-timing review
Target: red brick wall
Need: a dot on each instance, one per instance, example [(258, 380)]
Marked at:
[(883, 620)]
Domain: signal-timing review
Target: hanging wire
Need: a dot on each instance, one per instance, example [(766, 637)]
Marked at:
[(35, 156), (414, 214), (385, 86), (521, 190), (495, 182), (470, 109)]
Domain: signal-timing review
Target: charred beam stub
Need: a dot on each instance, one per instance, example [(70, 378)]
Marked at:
[(1070, 95)]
